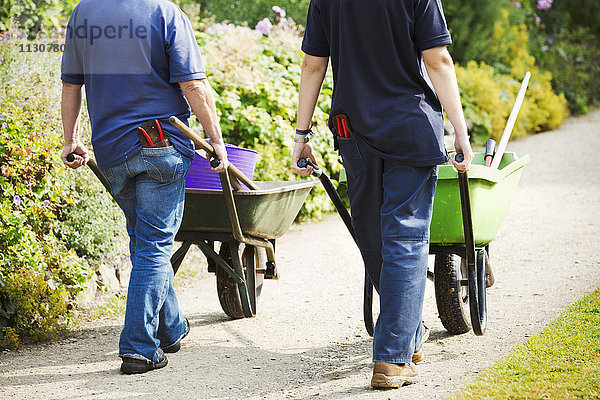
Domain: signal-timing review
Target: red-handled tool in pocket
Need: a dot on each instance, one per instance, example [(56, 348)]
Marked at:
[(343, 125), (151, 134)]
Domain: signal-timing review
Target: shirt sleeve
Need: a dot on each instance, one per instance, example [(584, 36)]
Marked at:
[(315, 41), (185, 59), (430, 28), (71, 68)]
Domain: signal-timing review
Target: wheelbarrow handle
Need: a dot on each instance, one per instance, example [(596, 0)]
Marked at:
[(331, 192), (94, 167), (305, 162), (204, 145)]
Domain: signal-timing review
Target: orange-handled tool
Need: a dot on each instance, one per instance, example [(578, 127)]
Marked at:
[(490, 150)]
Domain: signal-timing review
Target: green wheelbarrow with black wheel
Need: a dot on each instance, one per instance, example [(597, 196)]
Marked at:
[(468, 210)]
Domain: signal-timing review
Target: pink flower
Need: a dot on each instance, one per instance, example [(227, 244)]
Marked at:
[(544, 4), (583, 46), (538, 20), (517, 4), (279, 11), (264, 27)]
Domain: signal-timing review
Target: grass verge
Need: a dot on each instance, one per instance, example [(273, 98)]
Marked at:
[(561, 362)]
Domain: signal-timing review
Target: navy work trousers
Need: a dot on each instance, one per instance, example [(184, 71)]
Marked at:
[(391, 208)]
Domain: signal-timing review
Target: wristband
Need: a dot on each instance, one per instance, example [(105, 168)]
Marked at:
[(305, 139)]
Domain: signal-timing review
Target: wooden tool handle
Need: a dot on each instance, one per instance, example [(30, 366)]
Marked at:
[(204, 145)]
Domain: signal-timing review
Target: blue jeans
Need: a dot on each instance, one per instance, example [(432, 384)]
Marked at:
[(391, 208), (150, 189)]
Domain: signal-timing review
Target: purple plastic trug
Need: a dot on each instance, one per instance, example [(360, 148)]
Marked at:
[(201, 176)]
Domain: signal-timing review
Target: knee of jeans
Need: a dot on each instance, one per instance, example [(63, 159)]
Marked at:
[(405, 253), (407, 229)]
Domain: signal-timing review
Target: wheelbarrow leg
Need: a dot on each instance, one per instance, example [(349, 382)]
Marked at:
[(245, 295), (475, 262), (179, 255)]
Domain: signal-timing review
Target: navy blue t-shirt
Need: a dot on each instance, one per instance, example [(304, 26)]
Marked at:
[(379, 78), (131, 55)]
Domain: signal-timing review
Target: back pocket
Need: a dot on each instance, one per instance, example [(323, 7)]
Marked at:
[(353, 163), (163, 164)]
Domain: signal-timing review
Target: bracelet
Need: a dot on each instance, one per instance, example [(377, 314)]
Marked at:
[(304, 131), (301, 140)]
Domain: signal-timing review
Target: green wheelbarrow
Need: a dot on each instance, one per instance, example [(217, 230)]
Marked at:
[(467, 214), (246, 223)]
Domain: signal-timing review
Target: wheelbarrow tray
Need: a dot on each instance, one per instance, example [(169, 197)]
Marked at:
[(266, 213), (491, 192)]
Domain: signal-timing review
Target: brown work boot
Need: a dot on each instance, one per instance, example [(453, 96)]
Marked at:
[(388, 375), (419, 355)]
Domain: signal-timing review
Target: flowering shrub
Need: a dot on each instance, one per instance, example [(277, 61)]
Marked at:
[(488, 97), (256, 79), (566, 42), (44, 207), (544, 4), (250, 12)]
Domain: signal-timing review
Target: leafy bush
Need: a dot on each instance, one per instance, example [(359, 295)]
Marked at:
[(256, 79), (471, 24), (561, 37), (566, 42), (30, 15), (488, 97), (44, 207)]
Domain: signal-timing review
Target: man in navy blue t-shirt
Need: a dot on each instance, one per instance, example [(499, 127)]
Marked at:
[(392, 74), (139, 62)]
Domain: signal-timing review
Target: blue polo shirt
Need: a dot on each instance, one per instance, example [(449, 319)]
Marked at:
[(131, 55), (379, 78)]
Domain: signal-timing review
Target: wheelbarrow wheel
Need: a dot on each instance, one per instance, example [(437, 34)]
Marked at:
[(477, 293), (252, 258), (451, 296)]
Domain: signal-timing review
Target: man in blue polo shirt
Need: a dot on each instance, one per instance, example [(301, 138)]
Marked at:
[(391, 71), (139, 62)]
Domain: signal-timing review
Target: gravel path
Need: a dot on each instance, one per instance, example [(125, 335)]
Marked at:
[(308, 340)]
